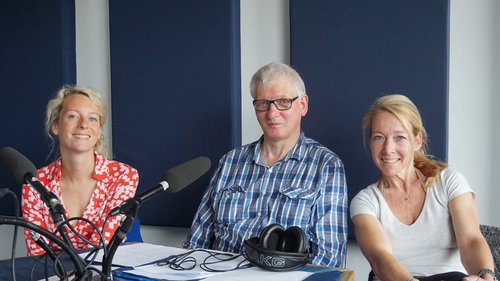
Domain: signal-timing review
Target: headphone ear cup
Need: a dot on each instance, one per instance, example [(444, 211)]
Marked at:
[(293, 241), (271, 237), (277, 249)]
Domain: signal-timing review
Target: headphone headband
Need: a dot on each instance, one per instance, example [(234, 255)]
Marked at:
[(274, 260)]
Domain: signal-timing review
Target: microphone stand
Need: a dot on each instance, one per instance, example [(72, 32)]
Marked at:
[(56, 209), (39, 240), (129, 208), (81, 272)]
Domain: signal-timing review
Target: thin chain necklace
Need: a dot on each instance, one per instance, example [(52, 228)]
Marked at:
[(407, 196)]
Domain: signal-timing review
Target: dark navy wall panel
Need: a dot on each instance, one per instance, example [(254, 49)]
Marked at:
[(37, 55), (175, 73), (351, 52)]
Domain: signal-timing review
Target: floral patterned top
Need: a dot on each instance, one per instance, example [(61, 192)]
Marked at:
[(116, 182)]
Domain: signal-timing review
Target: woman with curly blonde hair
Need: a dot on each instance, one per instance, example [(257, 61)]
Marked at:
[(87, 183)]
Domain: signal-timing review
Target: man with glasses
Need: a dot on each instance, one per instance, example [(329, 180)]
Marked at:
[(284, 177)]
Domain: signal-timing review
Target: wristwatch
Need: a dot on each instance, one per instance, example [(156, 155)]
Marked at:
[(487, 271)]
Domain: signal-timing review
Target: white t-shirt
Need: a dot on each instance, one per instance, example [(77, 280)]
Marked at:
[(428, 246)]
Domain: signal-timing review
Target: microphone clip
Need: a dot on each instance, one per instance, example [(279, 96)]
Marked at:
[(127, 207)]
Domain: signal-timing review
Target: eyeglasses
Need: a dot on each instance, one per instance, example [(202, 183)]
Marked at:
[(280, 104)]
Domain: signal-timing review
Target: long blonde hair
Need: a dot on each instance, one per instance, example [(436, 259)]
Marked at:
[(409, 116), (55, 105)]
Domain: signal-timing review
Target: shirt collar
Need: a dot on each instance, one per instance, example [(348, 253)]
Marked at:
[(297, 152), (101, 170)]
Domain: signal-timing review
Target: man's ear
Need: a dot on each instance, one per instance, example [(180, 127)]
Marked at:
[(304, 103)]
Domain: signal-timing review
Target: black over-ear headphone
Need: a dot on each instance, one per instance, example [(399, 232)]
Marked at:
[(277, 249)]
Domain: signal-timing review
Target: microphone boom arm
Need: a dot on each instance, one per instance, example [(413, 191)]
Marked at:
[(131, 207), (82, 273)]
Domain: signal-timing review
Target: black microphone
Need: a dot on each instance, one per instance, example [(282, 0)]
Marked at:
[(17, 164), (23, 171), (172, 181)]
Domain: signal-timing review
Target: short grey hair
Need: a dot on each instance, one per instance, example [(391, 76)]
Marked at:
[(269, 73)]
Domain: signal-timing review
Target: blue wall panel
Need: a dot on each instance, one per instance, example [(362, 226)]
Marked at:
[(37, 57), (175, 69), (351, 52)]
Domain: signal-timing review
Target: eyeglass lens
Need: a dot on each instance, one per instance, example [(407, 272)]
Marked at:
[(280, 104)]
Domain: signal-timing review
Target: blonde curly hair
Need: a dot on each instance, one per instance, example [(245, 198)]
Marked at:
[(55, 105)]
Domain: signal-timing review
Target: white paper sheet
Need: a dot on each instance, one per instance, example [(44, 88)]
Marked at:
[(142, 258), (254, 273), (132, 255), (219, 263)]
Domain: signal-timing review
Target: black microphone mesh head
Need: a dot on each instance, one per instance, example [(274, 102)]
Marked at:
[(186, 173), (17, 164)]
